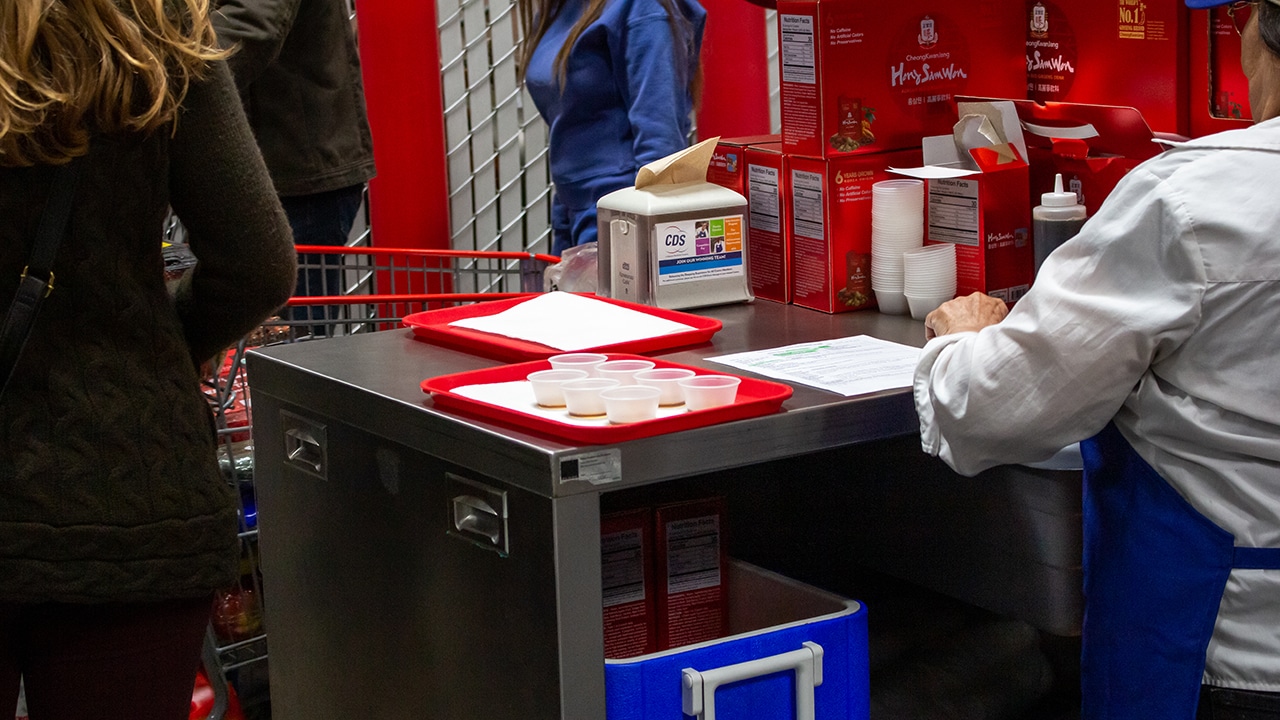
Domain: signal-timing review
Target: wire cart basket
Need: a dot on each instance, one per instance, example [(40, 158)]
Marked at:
[(341, 291)]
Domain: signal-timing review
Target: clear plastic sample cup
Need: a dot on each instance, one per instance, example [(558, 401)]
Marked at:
[(546, 385), (582, 397), (577, 361), (624, 371), (630, 404), (708, 391), (667, 380)]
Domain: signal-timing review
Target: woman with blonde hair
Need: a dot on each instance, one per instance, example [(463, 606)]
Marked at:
[(116, 526)]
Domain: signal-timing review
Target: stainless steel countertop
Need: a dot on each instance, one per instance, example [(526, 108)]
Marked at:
[(373, 381)]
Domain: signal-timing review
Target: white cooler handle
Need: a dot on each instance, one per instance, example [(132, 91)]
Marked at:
[(700, 686)]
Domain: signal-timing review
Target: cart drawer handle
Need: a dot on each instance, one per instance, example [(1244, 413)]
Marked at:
[(700, 686), (305, 449)]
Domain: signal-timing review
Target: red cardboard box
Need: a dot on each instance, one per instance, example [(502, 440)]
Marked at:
[(692, 597), (728, 163), (1219, 88), (862, 76), (978, 199), (1111, 52), (1093, 146), (829, 203), (626, 571), (769, 262)]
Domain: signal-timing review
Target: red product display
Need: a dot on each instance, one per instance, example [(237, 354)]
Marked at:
[(755, 398), (728, 163), (1219, 89), (1119, 140), (829, 206), (769, 264), (1110, 52), (626, 573), (860, 76), (986, 213), (433, 326), (692, 560)]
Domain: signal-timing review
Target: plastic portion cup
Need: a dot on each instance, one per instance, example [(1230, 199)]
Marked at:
[(624, 371), (582, 397), (708, 391), (577, 361), (630, 404), (667, 380), (546, 385)]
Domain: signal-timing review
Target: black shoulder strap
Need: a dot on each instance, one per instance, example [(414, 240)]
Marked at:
[(36, 281)]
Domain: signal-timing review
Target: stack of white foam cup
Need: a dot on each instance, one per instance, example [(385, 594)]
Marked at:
[(897, 226), (929, 277)]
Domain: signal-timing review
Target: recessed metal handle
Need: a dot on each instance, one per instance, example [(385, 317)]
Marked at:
[(699, 686), (475, 516), (304, 448)]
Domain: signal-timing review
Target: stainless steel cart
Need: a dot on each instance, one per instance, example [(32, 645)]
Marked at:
[(343, 291), (420, 563)]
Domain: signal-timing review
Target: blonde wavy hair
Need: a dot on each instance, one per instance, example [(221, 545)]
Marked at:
[(69, 68)]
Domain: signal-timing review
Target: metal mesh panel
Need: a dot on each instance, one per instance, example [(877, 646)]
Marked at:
[(499, 181)]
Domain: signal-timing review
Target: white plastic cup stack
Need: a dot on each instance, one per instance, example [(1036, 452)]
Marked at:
[(897, 226), (929, 277)]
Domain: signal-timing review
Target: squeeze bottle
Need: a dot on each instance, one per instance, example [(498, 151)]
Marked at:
[(1055, 220)]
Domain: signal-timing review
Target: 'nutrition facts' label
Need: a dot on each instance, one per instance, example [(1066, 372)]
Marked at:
[(795, 49), (806, 202), (953, 211)]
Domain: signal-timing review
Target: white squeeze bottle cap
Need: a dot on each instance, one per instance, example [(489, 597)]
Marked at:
[(1059, 205)]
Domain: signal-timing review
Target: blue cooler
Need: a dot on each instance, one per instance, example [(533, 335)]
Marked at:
[(793, 652)]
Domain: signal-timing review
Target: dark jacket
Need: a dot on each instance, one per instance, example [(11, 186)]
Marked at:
[(109, 484), (299, 78)]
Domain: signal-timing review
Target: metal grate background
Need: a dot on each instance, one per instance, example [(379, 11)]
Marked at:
[(499, 180)]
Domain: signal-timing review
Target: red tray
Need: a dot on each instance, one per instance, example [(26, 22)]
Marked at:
[(433, 326), (755, 397)]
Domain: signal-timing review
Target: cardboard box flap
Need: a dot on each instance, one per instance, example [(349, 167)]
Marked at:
[(1118, 130), (988, 136)]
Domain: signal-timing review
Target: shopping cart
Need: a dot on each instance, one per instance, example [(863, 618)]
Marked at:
[(341, 291)]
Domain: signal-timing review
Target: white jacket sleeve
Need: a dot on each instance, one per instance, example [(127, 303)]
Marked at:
[(1105, 308)]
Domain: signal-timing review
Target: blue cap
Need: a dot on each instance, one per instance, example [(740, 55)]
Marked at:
[(1197, 4)]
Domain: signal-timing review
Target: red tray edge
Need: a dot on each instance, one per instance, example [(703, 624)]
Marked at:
[(440, 387)]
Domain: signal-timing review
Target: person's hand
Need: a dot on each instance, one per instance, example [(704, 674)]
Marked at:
[(970, 313)]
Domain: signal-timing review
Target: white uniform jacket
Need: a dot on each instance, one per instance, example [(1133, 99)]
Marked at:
[(1163, 315)]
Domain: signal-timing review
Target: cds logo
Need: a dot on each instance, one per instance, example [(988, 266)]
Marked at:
[(928, 33), (674, 241)]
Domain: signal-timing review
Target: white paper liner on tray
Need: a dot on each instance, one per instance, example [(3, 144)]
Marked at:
[(517, 395), (568, 322)]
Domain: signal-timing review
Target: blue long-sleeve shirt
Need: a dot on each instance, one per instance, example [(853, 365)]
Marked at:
[(625, 102)]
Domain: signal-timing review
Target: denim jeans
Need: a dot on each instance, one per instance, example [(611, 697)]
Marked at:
[(320, 219)]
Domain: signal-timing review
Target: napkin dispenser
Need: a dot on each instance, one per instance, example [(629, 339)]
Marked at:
[(673, 246), (674, 240)]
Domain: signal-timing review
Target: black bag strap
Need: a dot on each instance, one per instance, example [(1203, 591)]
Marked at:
[(36, 281)]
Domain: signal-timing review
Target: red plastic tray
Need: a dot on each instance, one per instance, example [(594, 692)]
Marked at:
[(755, 397), (433, 326)]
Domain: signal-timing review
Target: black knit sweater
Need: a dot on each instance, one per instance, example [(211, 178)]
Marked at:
[(109, 487)]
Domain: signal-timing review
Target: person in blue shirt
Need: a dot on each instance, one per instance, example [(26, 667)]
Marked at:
[(616, 82)]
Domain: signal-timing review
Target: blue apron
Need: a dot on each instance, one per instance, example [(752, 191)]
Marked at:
[(1154, 573)]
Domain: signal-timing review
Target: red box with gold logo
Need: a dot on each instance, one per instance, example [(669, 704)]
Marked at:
[(860, 76), (829, 203), (1111, 52), (1219, 89)]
